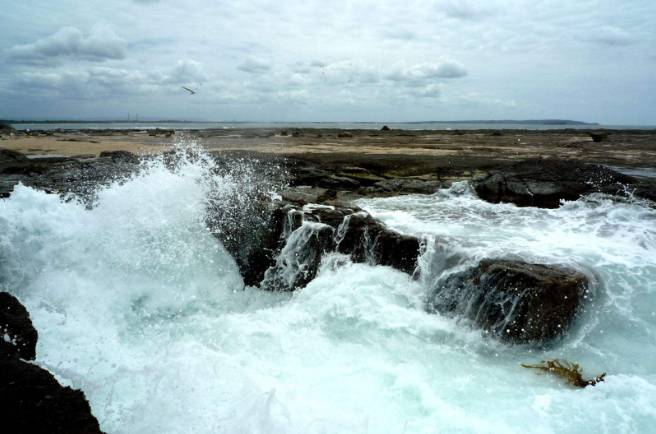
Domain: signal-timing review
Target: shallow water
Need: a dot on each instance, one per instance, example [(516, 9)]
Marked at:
[(138, 305)]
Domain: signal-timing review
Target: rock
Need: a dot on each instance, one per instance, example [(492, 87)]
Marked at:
[(124, 156), (385, 128), (344, 135), (407, 186), (17, 335), (544, 183), (367, 240), (339, 183), (9, 156), (304, 194), (517, 302), (32, 401), (6, 128), (253, 241), (298, 261), (599, 137)]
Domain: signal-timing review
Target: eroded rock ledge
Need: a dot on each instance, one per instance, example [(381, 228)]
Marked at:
[(545, 183)]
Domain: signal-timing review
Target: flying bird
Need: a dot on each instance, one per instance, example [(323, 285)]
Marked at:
[(192, 92)]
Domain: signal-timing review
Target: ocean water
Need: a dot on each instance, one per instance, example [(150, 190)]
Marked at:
[(138, 305), (338, 125)]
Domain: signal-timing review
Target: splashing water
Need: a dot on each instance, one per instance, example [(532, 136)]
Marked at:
[(138, 305)]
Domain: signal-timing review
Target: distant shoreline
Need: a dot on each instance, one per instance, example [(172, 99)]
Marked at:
[(163, 121)]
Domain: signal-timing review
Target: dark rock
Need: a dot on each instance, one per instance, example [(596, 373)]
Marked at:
[(253, 243), (10, 156), (17, 335), (125, 156), (367, 240), (338, 183), (544, 183), (6, 128), (298, 262), (407, 185), (344, 135), (385, 128), (32, 401), (515, 301), (599, 137)]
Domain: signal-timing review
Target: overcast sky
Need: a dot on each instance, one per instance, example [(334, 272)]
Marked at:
[(319, 60)]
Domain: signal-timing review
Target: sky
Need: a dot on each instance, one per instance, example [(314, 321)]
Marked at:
[(318, 60)]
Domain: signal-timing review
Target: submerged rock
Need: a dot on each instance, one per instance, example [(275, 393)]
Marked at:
[(544, 183), (31, 399), (17, 335), (515, 301)]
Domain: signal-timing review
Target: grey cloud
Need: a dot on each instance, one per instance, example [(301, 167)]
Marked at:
[(429, 91), (422, 72), (254, 66), (187, 71), (613, 36), (401, 35), (467, 9), (100, 44)]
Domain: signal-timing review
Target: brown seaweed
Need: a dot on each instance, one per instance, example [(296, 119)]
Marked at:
[(570, 372)]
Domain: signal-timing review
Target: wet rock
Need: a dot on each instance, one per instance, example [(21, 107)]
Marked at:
[(305, 194), (32, 401), (407, 185), (62, 175), (544, 183), (367, 240), (298, 262), (385, 128), (123, 156), (253, 242), (17, 335), (517, 302), (599, 137), (339, 183)]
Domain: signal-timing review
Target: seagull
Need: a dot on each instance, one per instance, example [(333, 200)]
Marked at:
[(192, 92)]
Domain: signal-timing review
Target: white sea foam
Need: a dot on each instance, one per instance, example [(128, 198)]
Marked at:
[(138, 305)]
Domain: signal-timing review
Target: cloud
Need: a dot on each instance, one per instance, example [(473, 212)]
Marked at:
[(419, 73), (186, 71), (254, 66), (613, 36), (467, 9), (100, 44), (428, 91)]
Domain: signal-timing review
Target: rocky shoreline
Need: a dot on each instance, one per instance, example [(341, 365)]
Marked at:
[(281, 248)]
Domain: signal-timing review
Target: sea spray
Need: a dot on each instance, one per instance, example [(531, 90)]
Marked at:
[(140, 306)]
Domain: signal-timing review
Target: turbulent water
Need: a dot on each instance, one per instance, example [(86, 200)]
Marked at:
[(138, 305)]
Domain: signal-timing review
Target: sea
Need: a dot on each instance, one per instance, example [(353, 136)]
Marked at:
[(330, 125), (138, 305)]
